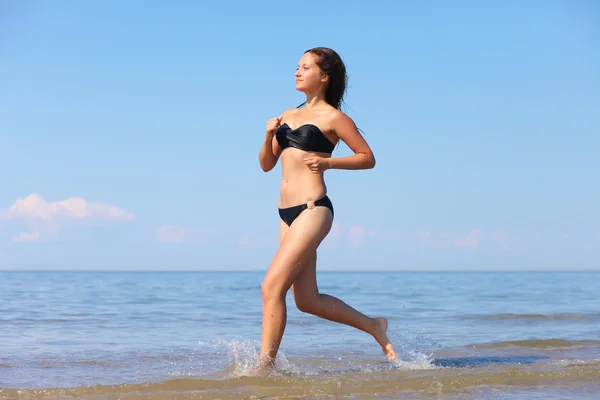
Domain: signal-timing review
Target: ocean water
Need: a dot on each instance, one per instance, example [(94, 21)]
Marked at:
[(175, 335)]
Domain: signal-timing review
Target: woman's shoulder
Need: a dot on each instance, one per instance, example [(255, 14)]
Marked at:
[(338, 117), (286, 113)]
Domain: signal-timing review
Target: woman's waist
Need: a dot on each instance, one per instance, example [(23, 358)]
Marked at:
[(301, 177), (295, 193)]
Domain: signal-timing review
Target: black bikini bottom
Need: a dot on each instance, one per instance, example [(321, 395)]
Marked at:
[(289, 214)]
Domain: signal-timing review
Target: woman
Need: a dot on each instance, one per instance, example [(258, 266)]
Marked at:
[(304, 139)]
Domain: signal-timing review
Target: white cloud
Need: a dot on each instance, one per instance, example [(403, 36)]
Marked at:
[(355, 235), (171, 234), (385, 235), (27, 237), (500, 237), (44, 218), (424, 235), (471, 241), (35, 206)]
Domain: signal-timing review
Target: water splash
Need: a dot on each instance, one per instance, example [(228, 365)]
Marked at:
[(414, 350), (414, 360), (239, 357)]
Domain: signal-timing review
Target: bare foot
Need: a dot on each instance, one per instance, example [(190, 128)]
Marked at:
[(261, 370), (380, 334), (264, 368)]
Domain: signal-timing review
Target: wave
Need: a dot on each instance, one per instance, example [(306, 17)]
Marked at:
[(540, 317), (223, 369), (539, 344), (382, 383)]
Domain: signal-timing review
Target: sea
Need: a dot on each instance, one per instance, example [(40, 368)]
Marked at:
[(196, 335)]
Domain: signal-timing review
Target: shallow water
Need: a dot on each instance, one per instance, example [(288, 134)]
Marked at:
[(155, 335)]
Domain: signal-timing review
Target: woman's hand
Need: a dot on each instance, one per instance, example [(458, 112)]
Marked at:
[(317, 164), (272, 126)]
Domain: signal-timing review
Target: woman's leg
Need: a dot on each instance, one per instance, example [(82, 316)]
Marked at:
[(299, 242), (309, 300)]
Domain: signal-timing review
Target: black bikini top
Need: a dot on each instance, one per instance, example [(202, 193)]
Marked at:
[(307, 137)]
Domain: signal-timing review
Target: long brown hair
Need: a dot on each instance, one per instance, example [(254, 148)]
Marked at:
[(332, 65)]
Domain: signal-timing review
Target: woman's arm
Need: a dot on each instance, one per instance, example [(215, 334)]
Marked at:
[(269, 153), (346, 130)]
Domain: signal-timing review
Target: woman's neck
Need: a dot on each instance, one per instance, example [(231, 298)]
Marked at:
[(315, 100)]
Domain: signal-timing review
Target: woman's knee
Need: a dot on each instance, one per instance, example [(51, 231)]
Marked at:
[(307, 304), (272, 289)]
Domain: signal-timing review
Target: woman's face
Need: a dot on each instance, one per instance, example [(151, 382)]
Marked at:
[(309, 76)]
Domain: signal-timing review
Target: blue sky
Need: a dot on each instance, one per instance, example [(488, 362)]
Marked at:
[(129, 133)]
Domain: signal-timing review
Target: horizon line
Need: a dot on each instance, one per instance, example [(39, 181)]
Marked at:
[(591, 269)]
